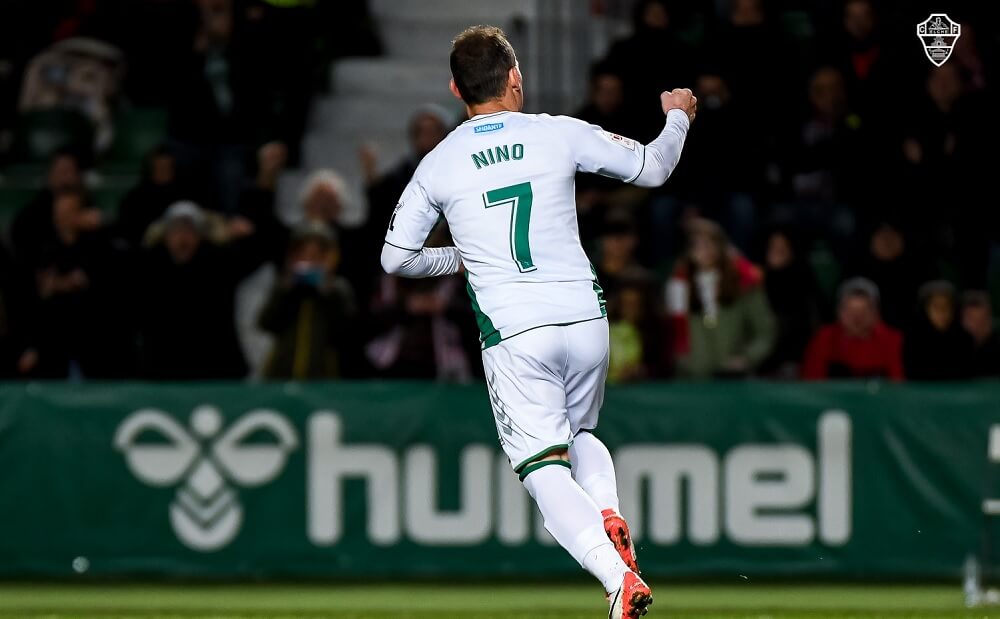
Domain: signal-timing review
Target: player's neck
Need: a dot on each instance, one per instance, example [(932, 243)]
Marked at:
[(492, 107)]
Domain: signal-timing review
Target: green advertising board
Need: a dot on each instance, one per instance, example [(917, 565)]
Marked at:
[(407, 480)]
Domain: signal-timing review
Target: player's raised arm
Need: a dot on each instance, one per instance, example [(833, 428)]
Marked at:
[(619, 157), (662, 154), (404, 252)]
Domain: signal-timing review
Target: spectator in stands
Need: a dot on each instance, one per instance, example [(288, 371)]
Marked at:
[(859, 344), (828, 160), (977, 320), (616, 263), (258, 202), (857, 49), (723, 176), (422, 334), (930, 140), (887, 261), (428, 126), (944, 136), (795, 298), (324, 198), (33, 224), (605, 105), (595, 194), (189, 276), (147, 201), (282, 39), (635, 335), (82, 326), (219, 109), (311, 311), (349, 29), (936, 347), (748, 26), (155, 35), (722, 325), (74, 85), (655, 35), (424, 328)]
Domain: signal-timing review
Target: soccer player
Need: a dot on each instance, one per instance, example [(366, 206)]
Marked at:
[(504, 181)]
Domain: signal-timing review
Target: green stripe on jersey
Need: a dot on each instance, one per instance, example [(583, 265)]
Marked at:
[(488, 334), (599, 291)]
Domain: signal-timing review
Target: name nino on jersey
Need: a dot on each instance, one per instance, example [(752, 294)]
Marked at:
[(497, 154)]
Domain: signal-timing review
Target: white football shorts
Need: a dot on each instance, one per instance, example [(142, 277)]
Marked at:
[(545, 386)]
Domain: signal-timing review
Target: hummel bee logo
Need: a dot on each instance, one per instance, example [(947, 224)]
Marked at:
[(206, 513)]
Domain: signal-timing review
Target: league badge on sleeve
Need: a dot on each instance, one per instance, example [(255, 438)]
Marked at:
[(620, 140), (938, 34)]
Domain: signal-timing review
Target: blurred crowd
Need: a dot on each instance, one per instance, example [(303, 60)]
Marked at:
[(831, 216)]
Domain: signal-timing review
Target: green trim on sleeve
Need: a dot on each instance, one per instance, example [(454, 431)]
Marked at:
[(401, 247), (641, 168), (534, 467)]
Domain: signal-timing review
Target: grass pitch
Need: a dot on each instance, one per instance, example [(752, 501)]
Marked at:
[(417, 601)]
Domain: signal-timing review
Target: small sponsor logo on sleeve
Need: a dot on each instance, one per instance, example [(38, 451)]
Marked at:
[(395, 211), (620, 140), (487, 128)]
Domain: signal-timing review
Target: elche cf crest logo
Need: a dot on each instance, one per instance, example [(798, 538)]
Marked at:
[(938, 34), (206, 513)]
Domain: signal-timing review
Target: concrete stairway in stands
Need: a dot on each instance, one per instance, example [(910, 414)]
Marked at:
[(371, 99)]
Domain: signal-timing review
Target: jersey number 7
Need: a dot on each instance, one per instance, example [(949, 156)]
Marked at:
[(519, 198)]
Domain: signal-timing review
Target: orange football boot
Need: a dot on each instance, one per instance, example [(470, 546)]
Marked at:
[(617, 530), (632, 599)]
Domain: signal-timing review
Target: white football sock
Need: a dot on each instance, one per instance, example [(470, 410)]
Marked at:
[(594, 470), (575, 521)]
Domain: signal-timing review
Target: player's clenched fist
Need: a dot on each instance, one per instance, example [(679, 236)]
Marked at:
[(680, 99)]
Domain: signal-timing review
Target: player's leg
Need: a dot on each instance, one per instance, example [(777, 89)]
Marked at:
[(574, 520), (593, 467), (594, 470), (527, 391)]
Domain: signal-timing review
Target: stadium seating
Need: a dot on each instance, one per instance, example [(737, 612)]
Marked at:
[(40, 133), (137, 131)]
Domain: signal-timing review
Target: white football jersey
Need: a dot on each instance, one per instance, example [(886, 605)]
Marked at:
[(505, 184)]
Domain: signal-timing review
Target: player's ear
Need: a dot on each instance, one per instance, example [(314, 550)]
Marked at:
[(453, 87), (514, 78)]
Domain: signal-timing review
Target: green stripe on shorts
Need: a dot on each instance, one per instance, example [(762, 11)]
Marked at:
[(534, 467), (540, 455)]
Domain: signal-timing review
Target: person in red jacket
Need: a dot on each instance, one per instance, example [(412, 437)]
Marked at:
[(859, 344)]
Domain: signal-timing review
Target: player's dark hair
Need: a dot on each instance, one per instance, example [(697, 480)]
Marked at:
[(481, 59)]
